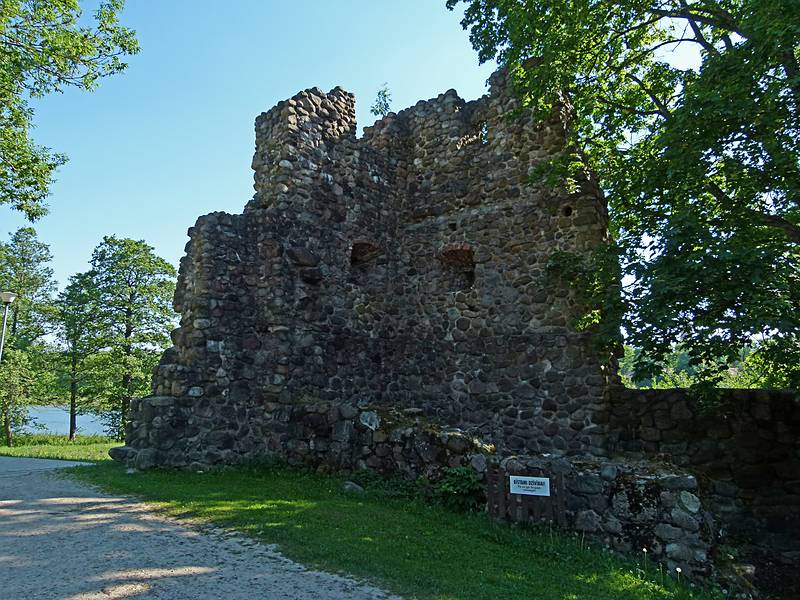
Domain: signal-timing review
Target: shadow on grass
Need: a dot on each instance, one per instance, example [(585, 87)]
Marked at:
[(404, 545)]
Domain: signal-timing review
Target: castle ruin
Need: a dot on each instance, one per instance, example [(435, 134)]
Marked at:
[(402, 270), (385, 303)]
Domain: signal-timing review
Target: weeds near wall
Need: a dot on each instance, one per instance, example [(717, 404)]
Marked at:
[(459, 489)]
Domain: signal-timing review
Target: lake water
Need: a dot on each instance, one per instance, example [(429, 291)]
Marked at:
[(56, 420)]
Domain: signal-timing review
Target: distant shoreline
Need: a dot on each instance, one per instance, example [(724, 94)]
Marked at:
[(55, 419)]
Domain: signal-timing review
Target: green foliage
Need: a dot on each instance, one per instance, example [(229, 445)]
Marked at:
[(44, 49), (560, 171), (113, 377), (110, 325), (595, 281), (700, 165), (385, 487), (25, 270), (134, 290), (747, 371), (49, 439), (130, 290), (77, 308), (75, 318), (383, 101), (757, 370), (16, 381), (459, 489)]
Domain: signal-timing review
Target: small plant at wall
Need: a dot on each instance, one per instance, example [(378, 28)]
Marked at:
[(383, 101), (459, 489)]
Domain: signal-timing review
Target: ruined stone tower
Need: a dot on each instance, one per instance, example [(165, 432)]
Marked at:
[(403, 271)]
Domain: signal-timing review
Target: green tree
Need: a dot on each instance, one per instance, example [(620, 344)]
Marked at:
[(747, 371), (25, 270), (45, 49), (112, 378), (383, 101), (133, 319), (16, 381), (76, 315), (701, 166)]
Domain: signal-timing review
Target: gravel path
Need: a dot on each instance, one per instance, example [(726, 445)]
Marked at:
[(62, 540)]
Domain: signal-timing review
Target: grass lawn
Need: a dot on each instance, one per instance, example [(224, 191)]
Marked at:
[(404, 545), (89, 448)]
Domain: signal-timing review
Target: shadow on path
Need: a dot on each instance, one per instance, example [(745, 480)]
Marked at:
[(61, 540)]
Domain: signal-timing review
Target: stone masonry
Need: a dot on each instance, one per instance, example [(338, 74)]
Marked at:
[(384, 303), (400, 271), (647, 509)]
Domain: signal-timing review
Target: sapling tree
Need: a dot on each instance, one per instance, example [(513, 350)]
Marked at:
[(383, 101)]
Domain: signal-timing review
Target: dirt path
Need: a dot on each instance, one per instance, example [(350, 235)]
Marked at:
[(62, 540)]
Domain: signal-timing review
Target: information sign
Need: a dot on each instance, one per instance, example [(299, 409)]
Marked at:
[(529, 486)]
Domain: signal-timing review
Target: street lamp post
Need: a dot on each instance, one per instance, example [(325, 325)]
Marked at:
[(6, 298)]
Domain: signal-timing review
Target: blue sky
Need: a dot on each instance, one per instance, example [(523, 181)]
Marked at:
[(172, 137)]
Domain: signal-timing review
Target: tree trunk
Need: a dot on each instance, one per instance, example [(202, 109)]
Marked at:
[(73, 399), (124, 405), (127, 378), (14, 320), (7, 426)]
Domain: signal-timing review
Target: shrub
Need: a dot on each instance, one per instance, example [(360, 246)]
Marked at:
[(459, 489)]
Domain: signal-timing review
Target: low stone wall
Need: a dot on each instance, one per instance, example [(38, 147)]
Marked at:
[(326, 436), (746, 453), (743, 461), (628, 506), (631, 508)]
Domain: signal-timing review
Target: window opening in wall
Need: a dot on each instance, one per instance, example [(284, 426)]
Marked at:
[(483, 133), (567, 211), (458, 262), (452, 226), (363, 259), (478, 134)]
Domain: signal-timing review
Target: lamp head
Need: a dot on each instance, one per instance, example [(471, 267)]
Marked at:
[(7, 297)]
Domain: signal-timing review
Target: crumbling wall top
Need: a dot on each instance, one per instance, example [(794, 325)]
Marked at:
[(292, 140)]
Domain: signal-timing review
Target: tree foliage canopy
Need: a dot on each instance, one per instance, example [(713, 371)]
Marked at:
[(25, 270), (44, 48), (132, 289), (701, 165), (95, 345), (16, 380)]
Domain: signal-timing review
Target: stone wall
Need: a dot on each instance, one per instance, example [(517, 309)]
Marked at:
[(746, 452), (324, 436), (402, 270), (383, 302), (639, 508)]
